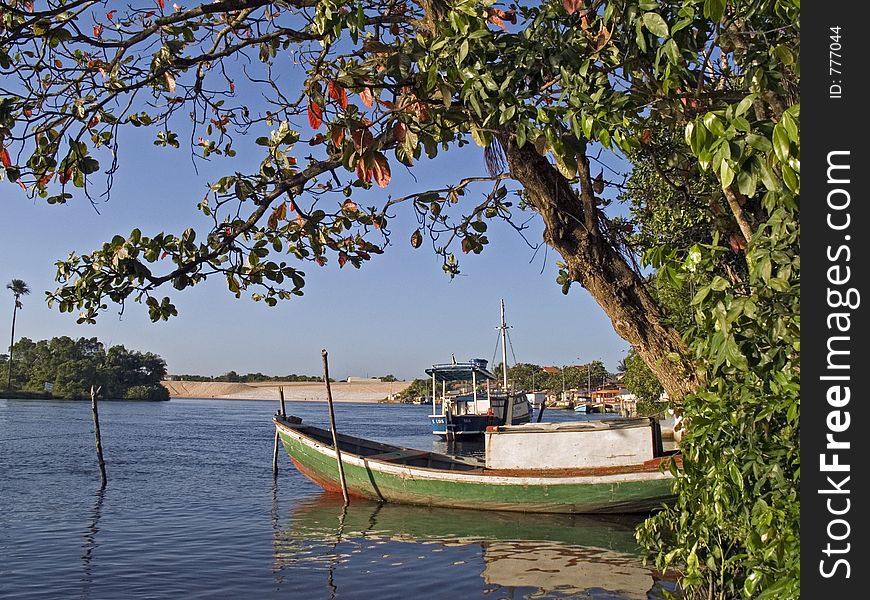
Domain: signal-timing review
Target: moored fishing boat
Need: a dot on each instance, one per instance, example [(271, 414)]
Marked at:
[(466, 414), (389, 473)]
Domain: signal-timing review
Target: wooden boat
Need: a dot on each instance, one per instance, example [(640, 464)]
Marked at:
[(465, 414), (389, 473)]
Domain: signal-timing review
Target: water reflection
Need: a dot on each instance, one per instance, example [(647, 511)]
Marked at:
[(507, 554), (90, 541)]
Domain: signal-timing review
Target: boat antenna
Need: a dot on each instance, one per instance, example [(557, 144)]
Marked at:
[(504, 329)]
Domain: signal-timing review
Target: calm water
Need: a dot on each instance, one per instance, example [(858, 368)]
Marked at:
[(192, 511)]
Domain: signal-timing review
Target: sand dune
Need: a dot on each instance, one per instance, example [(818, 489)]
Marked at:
[(342, 391)]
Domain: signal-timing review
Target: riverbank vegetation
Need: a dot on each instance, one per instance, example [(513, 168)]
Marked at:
[(233, 377), (699, 96), (65, 368)]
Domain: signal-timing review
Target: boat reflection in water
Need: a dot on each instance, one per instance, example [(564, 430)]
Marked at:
[(393, 550)]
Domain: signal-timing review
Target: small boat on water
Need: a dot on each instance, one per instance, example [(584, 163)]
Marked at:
[(612, 466), (466, 414)]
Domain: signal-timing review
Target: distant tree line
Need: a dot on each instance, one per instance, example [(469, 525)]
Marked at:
[(233, 377), (70, 367), (528, 376)]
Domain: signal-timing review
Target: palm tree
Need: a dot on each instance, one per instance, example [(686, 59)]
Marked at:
[(19, 288)]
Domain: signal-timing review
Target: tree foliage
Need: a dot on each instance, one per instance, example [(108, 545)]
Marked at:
[(702, 95), (73, 366)]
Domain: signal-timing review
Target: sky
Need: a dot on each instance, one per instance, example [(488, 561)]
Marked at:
[(398, 314)]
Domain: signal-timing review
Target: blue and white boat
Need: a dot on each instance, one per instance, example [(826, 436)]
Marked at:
[(471, 404)]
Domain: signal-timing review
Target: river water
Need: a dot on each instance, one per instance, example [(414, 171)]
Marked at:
[(191, 510)]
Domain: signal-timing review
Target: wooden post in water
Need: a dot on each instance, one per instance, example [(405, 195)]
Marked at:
[(99, 441), (332, 427), (283, 414), (275, 456)]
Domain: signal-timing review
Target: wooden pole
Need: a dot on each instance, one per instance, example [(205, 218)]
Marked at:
[(282, 413), (541, 410), (275, 456), (99, 441), (332, 427)]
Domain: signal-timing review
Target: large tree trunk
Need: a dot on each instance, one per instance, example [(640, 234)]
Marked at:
[(572, 229)]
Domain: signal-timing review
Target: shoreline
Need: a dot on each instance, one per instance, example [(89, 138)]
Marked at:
[(355, 391)]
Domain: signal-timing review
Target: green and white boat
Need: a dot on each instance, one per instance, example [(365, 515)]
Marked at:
[(609, 477)]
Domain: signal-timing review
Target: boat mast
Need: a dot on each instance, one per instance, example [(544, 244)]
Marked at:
[(503, 348)]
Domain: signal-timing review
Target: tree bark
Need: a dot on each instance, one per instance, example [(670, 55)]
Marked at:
[(571, 228)]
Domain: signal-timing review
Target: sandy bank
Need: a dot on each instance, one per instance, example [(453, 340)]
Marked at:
[(342, 391)]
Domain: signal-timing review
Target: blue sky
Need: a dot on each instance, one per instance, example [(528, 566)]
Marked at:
[(398, 314)]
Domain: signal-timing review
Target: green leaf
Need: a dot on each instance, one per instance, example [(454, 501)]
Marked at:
[(672, 52), (780, 143), (656, 24), (463, 52), (726, 174), (744, 105), (714, 9), (747, 182)]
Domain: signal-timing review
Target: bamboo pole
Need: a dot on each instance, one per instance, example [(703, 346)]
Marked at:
[(98, 439), (281, 394), (332, 427)]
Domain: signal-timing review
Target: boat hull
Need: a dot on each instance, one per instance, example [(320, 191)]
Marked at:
[(467, 425), (606, 491)]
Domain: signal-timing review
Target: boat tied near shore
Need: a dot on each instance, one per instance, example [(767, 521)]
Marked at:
[(609, 466), (466, 414)]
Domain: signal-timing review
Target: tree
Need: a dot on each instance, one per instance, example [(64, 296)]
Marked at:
[(18, 288), (543, 88)]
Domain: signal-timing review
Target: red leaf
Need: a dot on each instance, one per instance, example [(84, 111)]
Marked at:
[(572, 6), (98, 31), (317, 139), (366, 97), (65, 175), (495, 17), (342, 258), (381, 170), (93, 122), (4, 158), (321, 261), (646, 136), (337, 137), (110, 15), (362, 172), (337, 93), (164, 255), (386, 104), (350, 205), (315, 115), (399, 132), (362, 139), (232, 87), (160, 3)]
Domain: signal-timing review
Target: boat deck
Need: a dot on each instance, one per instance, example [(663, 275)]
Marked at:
[(371, 450)]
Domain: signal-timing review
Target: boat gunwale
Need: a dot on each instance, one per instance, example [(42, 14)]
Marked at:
[(655, 468)]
